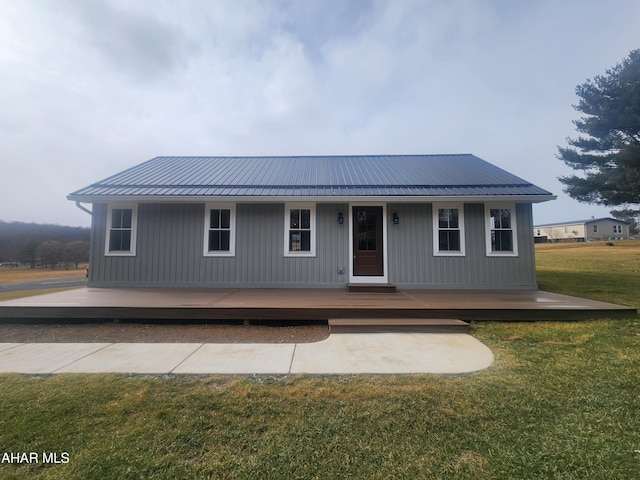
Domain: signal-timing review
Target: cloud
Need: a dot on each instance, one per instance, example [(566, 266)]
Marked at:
[(90, 88), (133, 42)]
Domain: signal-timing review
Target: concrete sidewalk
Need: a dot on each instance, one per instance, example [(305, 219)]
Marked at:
[(386, 353)]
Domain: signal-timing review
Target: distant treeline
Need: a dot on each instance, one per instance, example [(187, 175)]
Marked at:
[(33, 243)]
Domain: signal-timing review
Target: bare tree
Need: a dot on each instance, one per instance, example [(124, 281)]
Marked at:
[(50, 253)]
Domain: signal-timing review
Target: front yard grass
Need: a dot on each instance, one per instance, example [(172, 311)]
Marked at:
[(561, 401)]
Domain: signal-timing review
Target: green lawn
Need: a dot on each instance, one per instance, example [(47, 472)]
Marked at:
[(561, 401), (592, 270)]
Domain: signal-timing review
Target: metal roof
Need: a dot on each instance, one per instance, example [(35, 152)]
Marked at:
[(580, 222), (312, 176)]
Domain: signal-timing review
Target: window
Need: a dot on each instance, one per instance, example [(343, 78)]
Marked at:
[(121, 230), (299, 235), (617, 229), (501, 230), (595, 229), (448, 230), (219, 231)]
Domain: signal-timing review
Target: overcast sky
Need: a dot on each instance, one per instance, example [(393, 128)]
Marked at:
[(91, 87)]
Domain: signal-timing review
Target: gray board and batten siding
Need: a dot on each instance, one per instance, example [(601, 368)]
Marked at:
[(170, 195), (170, 240)]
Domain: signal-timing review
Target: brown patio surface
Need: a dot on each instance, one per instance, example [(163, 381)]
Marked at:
[(304, 304)]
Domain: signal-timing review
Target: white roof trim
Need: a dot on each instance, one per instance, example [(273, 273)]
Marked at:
[(318, 199)]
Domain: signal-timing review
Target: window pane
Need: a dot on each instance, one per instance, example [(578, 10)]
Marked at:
[(214, 241), (225, 236), (449, 240), (295, 241), (443, 218), (502, 241), (305, 219), (305, 241), (116, 218), (294, 221), (225, 218), (448, 217), (115, 241), (505, 216), (120, 241), (300, 241), (453, 218), (495, 218), (500, 218), (219, 240), (121, 217), (126, 240), (126, 217), (215, 218)]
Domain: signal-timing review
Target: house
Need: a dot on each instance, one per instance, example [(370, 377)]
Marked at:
[(414, 221), (583, 230)]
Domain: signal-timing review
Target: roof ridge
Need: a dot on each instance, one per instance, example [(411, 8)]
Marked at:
[(312, 185), (317, 156)]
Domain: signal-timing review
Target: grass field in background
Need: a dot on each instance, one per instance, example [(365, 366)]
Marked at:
[(591, 270), (27, 274), (562, 400)]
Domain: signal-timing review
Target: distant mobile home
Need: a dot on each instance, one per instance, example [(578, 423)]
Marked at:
[(414, 221), (583, 230)]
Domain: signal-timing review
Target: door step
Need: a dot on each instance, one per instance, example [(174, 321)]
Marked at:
[(397, 325), (371, 288)]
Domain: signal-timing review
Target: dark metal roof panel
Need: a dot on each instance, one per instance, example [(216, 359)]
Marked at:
[(384, 175), (575, 222)]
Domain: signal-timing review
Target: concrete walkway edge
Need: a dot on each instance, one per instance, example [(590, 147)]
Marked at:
[(359, 353)]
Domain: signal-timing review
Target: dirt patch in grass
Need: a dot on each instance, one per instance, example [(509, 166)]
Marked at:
[(154, 333), (471, 461)]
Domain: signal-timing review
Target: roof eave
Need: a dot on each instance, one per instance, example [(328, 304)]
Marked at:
[(319, 199)]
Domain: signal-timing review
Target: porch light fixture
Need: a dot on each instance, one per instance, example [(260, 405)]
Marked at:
[(396, 218), (340, 217)]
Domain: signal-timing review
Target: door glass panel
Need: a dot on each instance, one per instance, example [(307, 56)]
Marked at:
[(367, 231)]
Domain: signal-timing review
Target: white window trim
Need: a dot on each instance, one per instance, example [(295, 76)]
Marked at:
[(134, 229), (436, 229), (514, 229), (287, 215), (232, 228)]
